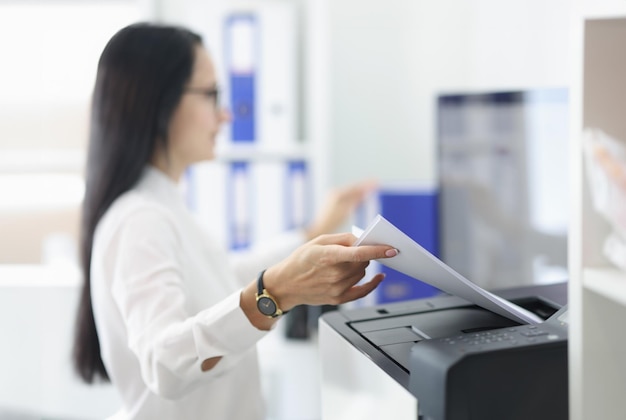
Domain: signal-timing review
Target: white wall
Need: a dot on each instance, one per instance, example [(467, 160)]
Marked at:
[(387, 60), (50, 51), (371, 70)]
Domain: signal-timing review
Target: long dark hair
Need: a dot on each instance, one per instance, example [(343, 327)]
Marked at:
[(140, 80)]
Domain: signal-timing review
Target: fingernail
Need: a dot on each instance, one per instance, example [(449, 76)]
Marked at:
[(391, 252)]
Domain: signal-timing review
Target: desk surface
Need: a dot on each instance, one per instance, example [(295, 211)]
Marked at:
[(39, 275)]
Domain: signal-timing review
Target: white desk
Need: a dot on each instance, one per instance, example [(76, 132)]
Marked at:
[(37, 311)]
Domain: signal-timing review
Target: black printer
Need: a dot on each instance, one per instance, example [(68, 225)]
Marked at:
[(463, 362)]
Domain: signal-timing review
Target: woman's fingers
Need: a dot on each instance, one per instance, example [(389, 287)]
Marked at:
[(345, 239), (325, 270), (361, 290), (344, 287), (362, 253), (338, 206)]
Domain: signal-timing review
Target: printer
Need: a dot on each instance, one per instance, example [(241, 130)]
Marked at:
[(444, 358)]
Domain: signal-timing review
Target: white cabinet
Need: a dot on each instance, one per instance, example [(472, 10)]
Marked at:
[(597, 290)]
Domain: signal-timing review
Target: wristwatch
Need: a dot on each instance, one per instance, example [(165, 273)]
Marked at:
[(265, 302)]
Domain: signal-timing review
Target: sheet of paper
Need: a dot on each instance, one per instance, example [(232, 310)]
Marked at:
[(415, 261)]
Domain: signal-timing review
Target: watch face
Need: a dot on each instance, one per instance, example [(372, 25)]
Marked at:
[(266, 306)]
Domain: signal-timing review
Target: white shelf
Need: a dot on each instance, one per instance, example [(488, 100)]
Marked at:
[(597, 292), (41, 160), (35, 276), (607, 282), (604, 9), (260, 152), (260, 155)]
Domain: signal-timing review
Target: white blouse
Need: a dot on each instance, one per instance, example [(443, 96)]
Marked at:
[(165, 298)]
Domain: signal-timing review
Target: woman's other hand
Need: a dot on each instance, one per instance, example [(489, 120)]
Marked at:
[(338, 207)]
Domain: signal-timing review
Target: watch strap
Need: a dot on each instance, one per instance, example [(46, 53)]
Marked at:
[(259, 283)]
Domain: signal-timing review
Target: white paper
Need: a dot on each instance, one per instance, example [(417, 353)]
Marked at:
[(415, 261)]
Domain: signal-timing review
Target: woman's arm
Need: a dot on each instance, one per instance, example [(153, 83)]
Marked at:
[(325, 270)]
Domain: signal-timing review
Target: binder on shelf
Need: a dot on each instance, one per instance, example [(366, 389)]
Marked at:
[(206, 197), (261, 58), (239, 206), (413, 209), (268, 197), (189, 187), (241, 58), (277, 104), (297, 194), (281, 197)]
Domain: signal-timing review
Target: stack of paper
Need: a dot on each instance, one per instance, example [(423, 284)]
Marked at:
[(415, 261)]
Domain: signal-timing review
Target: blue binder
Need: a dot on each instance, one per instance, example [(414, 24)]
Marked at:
[(239, 196), (296, 195), (191, 193), (415, 212), (241, 56)]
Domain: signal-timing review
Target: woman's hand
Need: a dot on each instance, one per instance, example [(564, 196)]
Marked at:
[(325, 270), (339, 206)]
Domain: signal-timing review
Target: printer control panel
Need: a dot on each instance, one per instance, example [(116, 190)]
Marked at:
[(502, 338)]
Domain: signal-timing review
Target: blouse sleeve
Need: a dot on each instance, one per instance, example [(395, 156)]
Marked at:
[(169, 341)]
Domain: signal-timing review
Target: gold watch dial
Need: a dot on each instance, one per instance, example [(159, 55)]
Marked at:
[(266, 305)]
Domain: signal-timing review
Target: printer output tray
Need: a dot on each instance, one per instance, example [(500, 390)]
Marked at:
[(386, 333)]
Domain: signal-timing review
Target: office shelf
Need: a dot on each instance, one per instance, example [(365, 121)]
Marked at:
[(607, 282), (297, 151), (597, 290), (41, 160), (260, 183)]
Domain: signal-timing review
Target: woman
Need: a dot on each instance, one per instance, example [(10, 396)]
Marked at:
[(162, 313)]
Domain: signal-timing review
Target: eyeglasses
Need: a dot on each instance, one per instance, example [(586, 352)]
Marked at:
[(210, 93)]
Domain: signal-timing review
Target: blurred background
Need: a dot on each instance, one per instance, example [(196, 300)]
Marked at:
[(457, 107)]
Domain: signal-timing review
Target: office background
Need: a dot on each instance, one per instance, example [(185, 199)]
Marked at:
[(367, 75)]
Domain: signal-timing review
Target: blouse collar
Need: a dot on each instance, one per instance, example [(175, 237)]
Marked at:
[(164, 188)]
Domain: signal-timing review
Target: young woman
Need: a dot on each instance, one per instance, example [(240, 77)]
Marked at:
[(163, 314)]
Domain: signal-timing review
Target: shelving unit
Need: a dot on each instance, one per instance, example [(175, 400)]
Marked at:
[(296, 152), (606, 282), (259, 185), (597, 290)]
